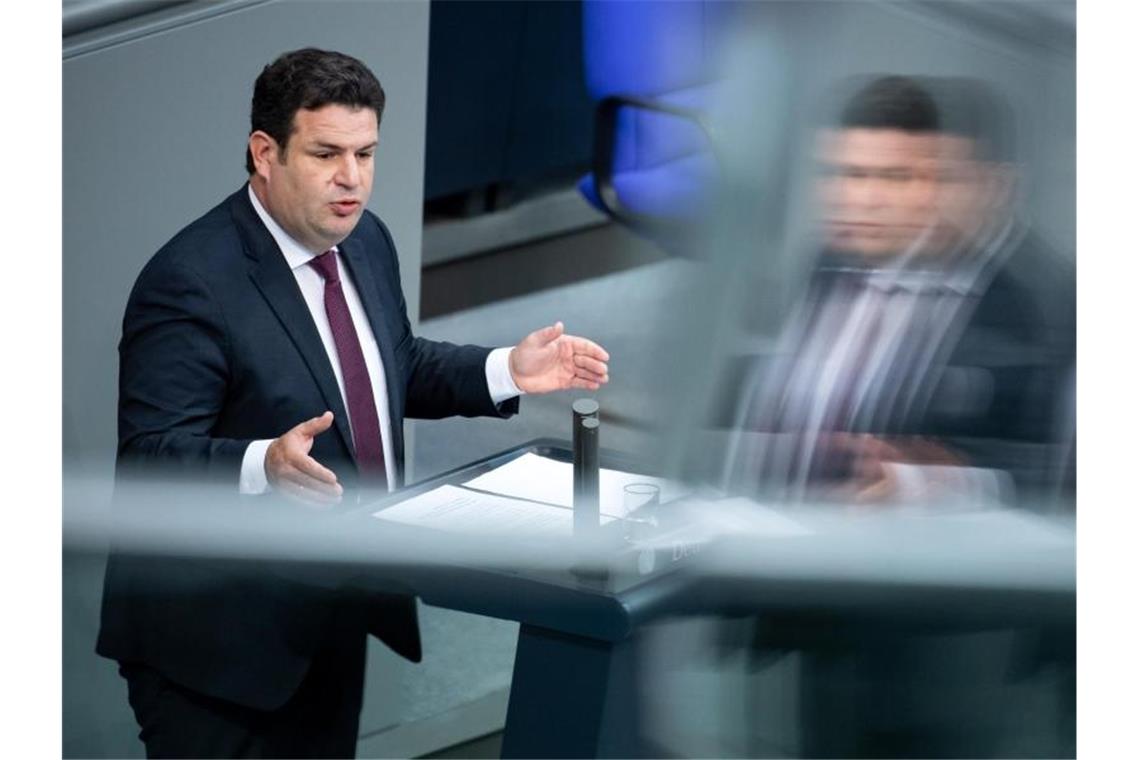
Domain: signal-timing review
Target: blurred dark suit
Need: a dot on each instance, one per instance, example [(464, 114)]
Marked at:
[(997, 392), (993, 384)]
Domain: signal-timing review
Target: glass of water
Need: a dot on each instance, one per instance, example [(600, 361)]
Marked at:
[(638, 495), (639, 503), (639, 506)]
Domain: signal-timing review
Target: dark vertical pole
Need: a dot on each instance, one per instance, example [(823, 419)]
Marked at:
[(587, 516), (583, 408)]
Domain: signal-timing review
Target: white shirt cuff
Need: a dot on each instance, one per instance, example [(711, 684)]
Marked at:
[(499, 381), (253, 478), (918, 482)]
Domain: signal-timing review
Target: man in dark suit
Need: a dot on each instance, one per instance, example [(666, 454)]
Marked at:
[(267, 347), (926, 365), (932, 345)]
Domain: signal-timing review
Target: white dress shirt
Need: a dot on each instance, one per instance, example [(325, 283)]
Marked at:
[(312, 285)]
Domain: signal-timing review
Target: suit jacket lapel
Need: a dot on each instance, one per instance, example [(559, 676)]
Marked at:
[(378, 317), (273, 278)]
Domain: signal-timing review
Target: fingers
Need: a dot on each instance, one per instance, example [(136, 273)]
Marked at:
[(290, 469), (314, 470), (591, 377), (879, 491), (587, 347), (298, 477), (592, 366), (931, 452), (317, 425), (548, 334), (548, 360), (308, 496), (590, 370), (589, 361), (303, 478)]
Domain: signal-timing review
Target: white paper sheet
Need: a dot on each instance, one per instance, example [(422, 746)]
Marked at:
[(534, 477), (459, 510)]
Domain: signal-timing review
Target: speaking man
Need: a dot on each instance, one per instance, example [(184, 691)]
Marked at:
[(267, 347)]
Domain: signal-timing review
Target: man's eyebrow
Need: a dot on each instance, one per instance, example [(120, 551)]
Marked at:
[(334, 146)]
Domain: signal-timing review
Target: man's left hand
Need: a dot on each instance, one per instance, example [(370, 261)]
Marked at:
[(548, 360), (873, 480)]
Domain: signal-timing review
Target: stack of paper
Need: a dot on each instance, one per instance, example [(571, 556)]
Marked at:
[(528, 495), (456, 509), (548, 480)]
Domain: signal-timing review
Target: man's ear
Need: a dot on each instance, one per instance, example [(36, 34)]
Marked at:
[(264, 149)]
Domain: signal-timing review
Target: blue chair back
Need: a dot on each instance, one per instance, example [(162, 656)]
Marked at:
[(663, 54)]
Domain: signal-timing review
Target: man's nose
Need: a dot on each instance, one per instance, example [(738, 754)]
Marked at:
[(867, 192), (348, 172)]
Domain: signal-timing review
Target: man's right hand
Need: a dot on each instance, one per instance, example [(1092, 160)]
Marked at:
[(291, 470)]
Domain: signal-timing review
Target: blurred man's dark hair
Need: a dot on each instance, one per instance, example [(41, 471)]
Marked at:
[(891, 102), (308, 78)]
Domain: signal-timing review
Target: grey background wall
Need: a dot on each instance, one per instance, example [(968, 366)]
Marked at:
[(155, 119)]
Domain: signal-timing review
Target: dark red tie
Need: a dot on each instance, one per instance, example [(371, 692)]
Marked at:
[(357, 385)]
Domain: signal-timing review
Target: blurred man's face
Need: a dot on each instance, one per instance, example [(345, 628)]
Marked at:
[(318, 187), (879, 190)]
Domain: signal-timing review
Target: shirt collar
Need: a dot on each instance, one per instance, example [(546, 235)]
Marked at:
[(296, 255), (900, 272)]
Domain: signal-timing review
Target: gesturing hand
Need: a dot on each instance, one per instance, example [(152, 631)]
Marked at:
[(547, 360), (875, 480), (291, 470)]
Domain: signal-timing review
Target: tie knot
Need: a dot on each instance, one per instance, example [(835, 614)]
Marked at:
[(326, 265)]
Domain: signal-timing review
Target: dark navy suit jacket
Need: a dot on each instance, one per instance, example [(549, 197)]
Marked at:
[(218, 350)]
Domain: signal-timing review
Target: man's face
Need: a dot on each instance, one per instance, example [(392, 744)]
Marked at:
[(319, 187), (879, 190)]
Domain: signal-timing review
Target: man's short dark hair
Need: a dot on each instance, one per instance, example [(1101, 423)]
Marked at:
[(309, 79), (891, 102)]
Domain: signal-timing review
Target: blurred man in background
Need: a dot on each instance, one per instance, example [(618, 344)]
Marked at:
[(929, 356), (927, 366)]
